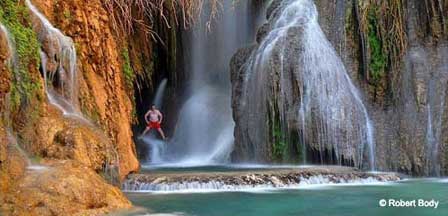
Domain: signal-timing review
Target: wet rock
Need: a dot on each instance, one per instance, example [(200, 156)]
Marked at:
[(279, 178)]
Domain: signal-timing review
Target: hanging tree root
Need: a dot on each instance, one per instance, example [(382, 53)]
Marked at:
[(143, 14)]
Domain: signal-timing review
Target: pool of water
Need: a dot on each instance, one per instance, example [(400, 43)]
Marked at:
[(316, 201)]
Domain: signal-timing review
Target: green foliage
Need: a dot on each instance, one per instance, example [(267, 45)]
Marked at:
[(15, 17), (279, 145), (378, 58), (128, 72)]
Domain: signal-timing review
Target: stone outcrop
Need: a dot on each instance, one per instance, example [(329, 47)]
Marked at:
[(92, 151), (399, 68), (407, 104), (63, 188), (102, 85), (292, 97)]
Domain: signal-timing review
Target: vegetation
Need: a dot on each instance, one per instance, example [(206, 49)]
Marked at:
[(130, 77), (16, 18), (378, 58), (277, 134), (67, 15), (279, 144), (127, 69), (380, 32), (129, 14)]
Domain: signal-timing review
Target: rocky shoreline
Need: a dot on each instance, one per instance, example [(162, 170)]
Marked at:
[(257, 179)]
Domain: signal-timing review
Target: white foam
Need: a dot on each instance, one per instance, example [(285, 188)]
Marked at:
[(36, 168), (444, 180), (213, 186)]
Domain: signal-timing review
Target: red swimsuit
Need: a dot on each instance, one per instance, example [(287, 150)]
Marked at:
[(154, 125)]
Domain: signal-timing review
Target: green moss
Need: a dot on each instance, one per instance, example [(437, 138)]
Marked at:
[(277, 135), (128, 72), (67, 14), (378, 58), (15, 17), (280, 144)]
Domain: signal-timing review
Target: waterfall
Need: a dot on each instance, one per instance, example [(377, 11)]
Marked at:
[(204, 130), (158, 99), (12, 62), (329, 111), (435, 110), (12, 58), (157, 148), (30, 165), (58, 63)]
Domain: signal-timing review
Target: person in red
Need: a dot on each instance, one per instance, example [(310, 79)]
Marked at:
[(155, 119)]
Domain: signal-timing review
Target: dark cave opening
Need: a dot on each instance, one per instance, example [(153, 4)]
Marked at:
[(326, 157)]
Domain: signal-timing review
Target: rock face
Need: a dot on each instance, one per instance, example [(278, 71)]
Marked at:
[(102, 83), (407, 99), (294, 83), (397, 66), (63, 188), (94, 148)]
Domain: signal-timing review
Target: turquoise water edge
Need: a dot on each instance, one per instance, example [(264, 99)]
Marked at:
[(353, 200)]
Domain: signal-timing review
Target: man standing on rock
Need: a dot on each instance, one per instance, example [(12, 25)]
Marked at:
[(155, 119)]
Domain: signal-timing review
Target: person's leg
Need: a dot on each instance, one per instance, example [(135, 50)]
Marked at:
[(161, 133), (145, 131)]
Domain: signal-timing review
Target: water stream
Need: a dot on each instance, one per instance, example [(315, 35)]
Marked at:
[(58, 64), (435, 111), (160, 93), (12, 58), (30, 164), (11, 138)]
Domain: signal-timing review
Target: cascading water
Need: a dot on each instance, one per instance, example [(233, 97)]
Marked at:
[(158, 99), (12, 61), (157, 147), (58, 59), (12, 58), (329, 114), (30, 165), (204, 132), (435, 110)]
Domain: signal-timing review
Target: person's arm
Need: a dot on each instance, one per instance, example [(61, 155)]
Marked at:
[(160, 117), (146, 116)]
